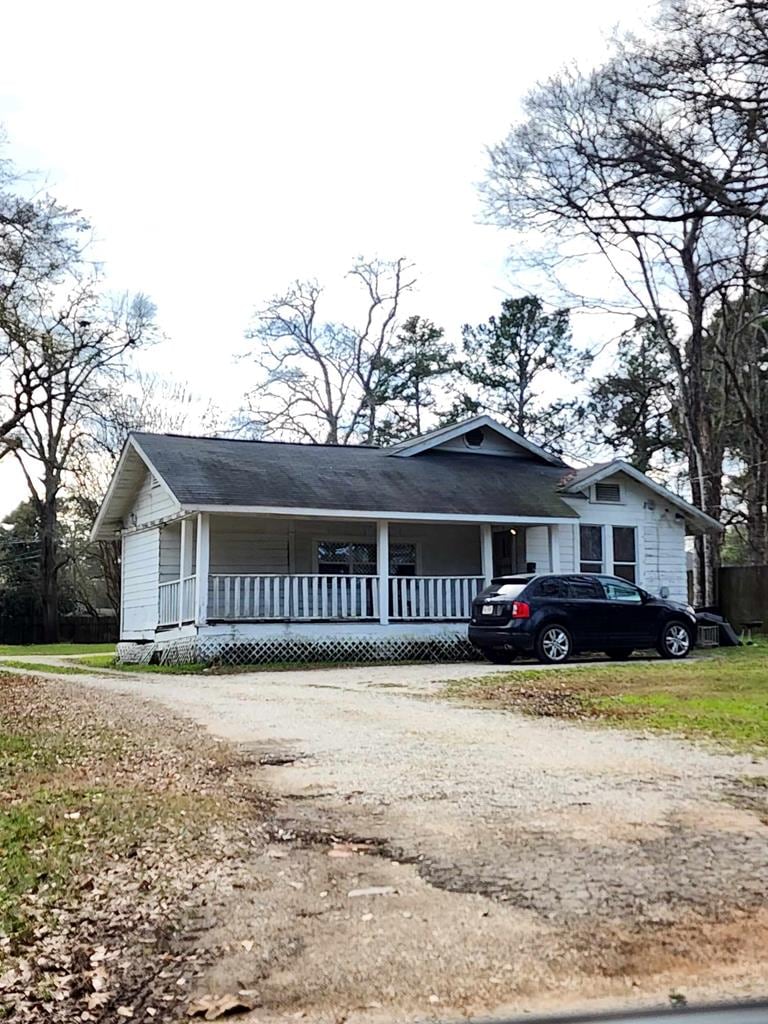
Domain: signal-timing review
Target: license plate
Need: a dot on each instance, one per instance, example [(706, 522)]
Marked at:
[(487, 609)]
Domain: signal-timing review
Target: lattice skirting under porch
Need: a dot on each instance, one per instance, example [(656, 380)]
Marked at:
[(214, 650)]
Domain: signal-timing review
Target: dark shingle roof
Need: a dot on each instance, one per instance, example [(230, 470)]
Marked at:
[(207, 471)]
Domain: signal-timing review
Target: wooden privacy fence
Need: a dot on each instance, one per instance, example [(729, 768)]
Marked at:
[(744, 595)]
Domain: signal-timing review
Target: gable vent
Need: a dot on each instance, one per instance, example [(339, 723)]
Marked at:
[(607, 492)]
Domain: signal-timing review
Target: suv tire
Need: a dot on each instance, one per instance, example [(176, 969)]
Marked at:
[(553, 644), (675, 640), (620, 653), (499, 656)]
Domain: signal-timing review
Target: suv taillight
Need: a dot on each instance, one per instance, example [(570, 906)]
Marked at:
[(521, 610)]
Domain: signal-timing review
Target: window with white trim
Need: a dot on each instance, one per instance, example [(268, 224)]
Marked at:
[(591, 548), (625, 553), (347, 558)]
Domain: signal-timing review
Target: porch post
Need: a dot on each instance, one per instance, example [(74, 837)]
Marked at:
[(203, 562), (382, 567), (554, 548), (182, 568), (486, 551)]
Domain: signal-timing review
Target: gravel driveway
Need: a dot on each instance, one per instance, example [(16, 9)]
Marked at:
[(632, 859)]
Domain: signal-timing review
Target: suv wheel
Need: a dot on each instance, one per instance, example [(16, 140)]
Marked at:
[(499, 656), (619, 653), (554, 644), (675, 640)]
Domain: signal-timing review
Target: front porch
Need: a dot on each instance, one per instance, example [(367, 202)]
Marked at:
[(255, 569)]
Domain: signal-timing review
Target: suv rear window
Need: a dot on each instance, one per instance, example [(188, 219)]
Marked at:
[(511, 590)]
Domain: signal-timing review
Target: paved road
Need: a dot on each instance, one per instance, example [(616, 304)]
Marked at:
[(644, 856)]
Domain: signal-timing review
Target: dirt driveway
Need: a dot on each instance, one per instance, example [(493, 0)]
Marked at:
[(525, 863)]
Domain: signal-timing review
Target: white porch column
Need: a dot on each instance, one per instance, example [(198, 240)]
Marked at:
[(186, 547), (486, 551), (184, 564), (182, 568), (382, 567), (554, 548), (203, 562)]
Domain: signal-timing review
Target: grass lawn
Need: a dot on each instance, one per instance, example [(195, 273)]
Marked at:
[(108, 661), (721, 696), (67, 801), (110, 816), (14, 650)]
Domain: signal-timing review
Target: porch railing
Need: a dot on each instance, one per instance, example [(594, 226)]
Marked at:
[(169, 595), (293, 597), (433, 597), (306, 597), (310, 597)]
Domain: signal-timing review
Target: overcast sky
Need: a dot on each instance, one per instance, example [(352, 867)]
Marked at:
[(223, 150)]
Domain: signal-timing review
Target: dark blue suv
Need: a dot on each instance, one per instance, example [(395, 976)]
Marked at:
[(555, 616)]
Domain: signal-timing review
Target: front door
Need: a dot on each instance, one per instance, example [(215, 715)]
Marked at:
[(507, 548)]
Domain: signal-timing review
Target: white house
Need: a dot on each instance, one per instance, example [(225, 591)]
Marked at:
[(254, 550)]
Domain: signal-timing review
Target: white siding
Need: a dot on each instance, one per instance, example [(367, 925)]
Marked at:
[(442, 550), (537, 548), (493, 444), (246, 544), (170, 551), (243, 544), (141, 562), (151, 503), (660, 535)]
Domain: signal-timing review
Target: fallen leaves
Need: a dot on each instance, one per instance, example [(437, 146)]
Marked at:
[(214, 1006), (107, 938)]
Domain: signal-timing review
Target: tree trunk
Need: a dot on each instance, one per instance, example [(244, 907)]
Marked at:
[(49, 570)]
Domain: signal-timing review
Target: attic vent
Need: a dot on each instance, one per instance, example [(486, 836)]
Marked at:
[(474, 438), (607, 492), (154, 482)]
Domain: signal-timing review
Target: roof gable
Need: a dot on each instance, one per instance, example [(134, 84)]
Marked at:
[(504, 442), (582, 479), (132, 467)]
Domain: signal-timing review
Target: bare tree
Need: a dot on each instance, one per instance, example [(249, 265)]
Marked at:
[(78, 344), (655, 163), (132, 401), (39, 242), (321, 379)]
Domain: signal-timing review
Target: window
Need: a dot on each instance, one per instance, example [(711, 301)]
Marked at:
[(616, 590), (591, 539), (511, 590), (607, 492), (584, 590), (402, 559), (343, 558), (550, 586), (624, 553)]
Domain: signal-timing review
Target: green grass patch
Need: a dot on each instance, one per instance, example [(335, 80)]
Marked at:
[(104, 661), (38, 666), (721, 696), (31, 649), (77, 792)]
